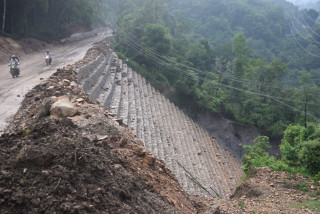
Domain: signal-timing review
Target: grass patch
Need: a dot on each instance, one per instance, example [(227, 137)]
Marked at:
[(303, 187), (314, 194), (313, 205), (241, 205)]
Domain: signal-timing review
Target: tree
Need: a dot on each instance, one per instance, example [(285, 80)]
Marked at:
[(308, 90), (157, 38), (309, 16), (4, 14), (310, 156), (188, 82), (210, 95), (257, 154), (241, 51), (46, 19), (300, 147), (196, 54)]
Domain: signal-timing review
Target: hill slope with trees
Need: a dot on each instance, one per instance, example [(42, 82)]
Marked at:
[(51, 19), (237, 58)]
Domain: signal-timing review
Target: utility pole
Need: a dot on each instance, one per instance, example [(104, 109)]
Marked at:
[(4, 14), (305, 111)]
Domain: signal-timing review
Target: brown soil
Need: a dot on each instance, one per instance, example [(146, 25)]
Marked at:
[(84, 164), (271, 192), (90, 164), (20, 48)]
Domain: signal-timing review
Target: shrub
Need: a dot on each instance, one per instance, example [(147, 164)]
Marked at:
[(300, 151), (290, 144), (309, 156), (257, 154)]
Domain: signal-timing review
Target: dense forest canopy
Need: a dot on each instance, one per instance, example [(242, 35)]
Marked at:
[(53, 18), (256, 61)]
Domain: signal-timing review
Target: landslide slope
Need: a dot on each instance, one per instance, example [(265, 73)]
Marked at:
[(268, 191), (82, 164)]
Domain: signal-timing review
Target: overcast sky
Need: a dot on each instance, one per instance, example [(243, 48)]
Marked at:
[(302, 1)]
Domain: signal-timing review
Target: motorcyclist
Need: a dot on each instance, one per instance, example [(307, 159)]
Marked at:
[(15, 59), (48, 55)]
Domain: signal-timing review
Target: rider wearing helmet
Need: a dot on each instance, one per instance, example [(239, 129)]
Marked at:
[(15, 59), (48, 54), (48, 58)]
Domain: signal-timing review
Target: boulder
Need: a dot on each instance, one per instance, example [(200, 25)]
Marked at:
[(63, 107)]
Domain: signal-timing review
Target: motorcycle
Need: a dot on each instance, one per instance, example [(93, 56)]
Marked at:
[(14, 69), (48, 60)]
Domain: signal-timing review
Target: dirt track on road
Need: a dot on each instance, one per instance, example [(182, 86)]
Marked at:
[(34, 70)]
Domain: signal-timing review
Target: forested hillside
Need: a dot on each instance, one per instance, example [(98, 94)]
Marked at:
[(47, 19), (273, 28), (254, 61)]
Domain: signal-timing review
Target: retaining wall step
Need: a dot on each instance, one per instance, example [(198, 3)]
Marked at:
[(200, 164)]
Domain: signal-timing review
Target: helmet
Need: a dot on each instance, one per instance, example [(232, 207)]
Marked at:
[(47, 51), (13, 56)]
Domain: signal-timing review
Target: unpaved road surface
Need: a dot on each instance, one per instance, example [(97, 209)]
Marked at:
[(34, 70)]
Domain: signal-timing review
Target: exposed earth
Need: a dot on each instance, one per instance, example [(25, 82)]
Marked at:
[(33, 67), (87, 163)]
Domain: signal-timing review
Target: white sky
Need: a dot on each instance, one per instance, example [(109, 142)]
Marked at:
[(302, 1)]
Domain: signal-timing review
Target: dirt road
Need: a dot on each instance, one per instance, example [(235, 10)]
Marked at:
[(34, 70)]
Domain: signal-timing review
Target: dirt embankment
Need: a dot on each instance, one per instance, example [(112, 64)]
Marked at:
[(87, 163), (268, 191), (8, 47)]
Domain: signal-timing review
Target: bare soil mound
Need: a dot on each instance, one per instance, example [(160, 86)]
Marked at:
[(82, 164), (268, 191), (8, 47)]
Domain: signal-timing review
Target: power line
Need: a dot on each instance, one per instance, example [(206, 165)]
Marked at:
[(301, 46), (156, 56), (229, 77), (151, 55), (134, 45), (305, 25)]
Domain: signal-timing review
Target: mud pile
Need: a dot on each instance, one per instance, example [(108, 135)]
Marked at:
[(87, 163)]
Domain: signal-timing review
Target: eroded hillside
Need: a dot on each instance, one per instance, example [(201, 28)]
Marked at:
[(81, 164), (87, 163)]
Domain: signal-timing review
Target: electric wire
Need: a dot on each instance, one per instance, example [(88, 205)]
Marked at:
[(299, 44), (276, 99), (303, 48), (183, 72), (151, 56), (310, 20), (163, 58), (225, 76), (307, 36)]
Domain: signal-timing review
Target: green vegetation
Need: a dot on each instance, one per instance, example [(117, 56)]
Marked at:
[(241, 204), (303, 187), (313, 205), (49, 19), (249, 69), (300, 152), (254, 61), (315, 193)]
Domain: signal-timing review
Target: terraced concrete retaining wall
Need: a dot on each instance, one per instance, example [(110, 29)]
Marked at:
[(201, 165)]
